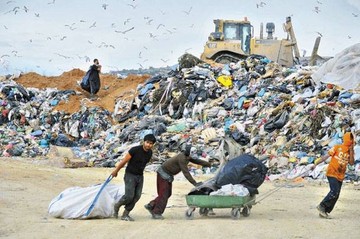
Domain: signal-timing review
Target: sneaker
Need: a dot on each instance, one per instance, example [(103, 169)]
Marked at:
[(157, 216), (322, 212), (127, 218), (149, 208)]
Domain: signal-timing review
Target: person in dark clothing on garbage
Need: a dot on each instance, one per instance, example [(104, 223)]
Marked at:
[(136, 160), (94, 79), (165, 176)]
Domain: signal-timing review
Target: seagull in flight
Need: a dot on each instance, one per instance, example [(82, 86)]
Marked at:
[(261, 4), (133, 6), (160, 25), (355, 15), (105, 6), (123, 32), (188, 12), (127, 21), (93, 25), (316, 9)]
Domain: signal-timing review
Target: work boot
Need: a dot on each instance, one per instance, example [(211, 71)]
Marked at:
[(126, 217), (116, 209)]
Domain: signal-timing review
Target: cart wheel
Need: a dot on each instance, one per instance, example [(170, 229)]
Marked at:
[(189, 214), (204, 211), (246, 211), (235, 213)]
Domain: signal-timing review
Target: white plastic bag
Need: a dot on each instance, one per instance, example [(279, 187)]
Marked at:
[(80, 203)]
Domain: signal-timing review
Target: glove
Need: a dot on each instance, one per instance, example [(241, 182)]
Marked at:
[(198, 184)]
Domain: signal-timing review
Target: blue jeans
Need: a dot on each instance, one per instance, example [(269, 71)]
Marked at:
[(330, 199), (133, 189)]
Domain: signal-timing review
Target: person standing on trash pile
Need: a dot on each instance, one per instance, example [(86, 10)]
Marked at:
[(165, 176), (94, 79), (136, 160), (341, 155)]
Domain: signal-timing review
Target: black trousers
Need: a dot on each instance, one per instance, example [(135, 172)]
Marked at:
[(133, 189)]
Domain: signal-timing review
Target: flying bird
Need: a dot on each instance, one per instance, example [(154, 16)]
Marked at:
[(53, 2), (93, 25), (261, 4), (316, 9), (123, 32), (152, 35), (355, 15), (160, 25), (37, 14), (105, 6), (127, 21), (188, 12), (133, 6)]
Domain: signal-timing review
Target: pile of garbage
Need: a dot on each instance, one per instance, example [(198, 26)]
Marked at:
[(286, 117)]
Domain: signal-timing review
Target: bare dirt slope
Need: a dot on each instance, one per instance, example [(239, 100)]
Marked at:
[(27, 187), (111, 88)]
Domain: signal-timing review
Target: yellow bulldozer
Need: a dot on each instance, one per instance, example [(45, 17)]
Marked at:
[(234, 40)]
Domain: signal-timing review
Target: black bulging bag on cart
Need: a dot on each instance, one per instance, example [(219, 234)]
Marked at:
[(244, 169)]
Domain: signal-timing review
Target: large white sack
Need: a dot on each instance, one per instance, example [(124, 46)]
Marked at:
[(74, 202), (343, 70)]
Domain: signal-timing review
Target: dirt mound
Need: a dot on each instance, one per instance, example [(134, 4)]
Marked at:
[(111, 88)]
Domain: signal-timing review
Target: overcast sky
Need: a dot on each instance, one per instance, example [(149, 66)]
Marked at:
[(53, 36)]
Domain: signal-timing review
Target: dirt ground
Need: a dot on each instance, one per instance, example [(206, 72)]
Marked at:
[(27, 186)]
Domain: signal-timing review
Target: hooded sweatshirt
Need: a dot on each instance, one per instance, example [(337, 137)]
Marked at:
[(340, 157)]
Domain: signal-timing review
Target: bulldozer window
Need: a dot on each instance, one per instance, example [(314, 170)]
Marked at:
[(231, 31)]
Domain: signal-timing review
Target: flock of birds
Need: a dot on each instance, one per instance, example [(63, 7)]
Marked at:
[(118, 28), (123, 28)]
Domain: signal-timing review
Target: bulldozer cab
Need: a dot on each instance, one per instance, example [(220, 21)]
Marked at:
[(236, 31), (230, 36)]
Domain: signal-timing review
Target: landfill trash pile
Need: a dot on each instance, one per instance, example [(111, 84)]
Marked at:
[(280, 115)]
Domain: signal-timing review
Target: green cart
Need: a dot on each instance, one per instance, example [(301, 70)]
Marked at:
[(239, 205)]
